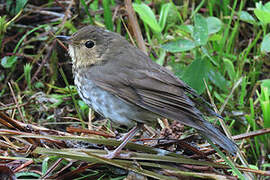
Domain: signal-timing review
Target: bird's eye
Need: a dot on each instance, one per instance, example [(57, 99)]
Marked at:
[(89, 44)]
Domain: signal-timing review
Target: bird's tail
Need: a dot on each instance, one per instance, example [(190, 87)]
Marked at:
[(218, 138)]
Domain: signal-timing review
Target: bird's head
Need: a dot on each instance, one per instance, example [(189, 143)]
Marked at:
[(89, 45)]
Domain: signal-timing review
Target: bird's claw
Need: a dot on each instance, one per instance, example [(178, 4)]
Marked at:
[(113, 154)]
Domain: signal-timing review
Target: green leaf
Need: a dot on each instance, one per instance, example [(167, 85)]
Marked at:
[(265, 43), (229, 68), (219, 97), (264, 98), (147, 15), (263, 12), (186, 28), (20, 175), (3, 24), (44, 167), (179, 45), (267, 7), (195, 73), (39, 85), (107, 15), (177, 68), (14, 7), (262, 7), (20, 5), (8, 61), (2, 76), (263, 16), (200, 34), (215, 37), (165, 8), (245, 16), (266, 83), (214, 25), (83, 4), (217, 79)]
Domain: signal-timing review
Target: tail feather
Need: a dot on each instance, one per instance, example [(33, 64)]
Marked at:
[(219, 138)]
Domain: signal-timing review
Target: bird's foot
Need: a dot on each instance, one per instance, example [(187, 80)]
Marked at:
[(126, 138), (110, 154), (115, 153)]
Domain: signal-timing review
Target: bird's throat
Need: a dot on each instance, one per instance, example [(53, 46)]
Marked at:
[(82, 59)]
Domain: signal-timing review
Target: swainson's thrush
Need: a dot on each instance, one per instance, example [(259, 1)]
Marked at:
[(124, 85)]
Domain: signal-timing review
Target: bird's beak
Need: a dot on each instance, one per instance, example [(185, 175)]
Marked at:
[(65, 39)]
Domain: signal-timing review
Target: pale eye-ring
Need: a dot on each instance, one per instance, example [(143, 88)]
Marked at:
[(89, 44)]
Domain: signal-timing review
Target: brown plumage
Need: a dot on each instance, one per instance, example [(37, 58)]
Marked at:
[(123, 84)]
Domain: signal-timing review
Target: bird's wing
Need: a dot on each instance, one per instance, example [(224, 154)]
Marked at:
[(149, 86), (154, 88)]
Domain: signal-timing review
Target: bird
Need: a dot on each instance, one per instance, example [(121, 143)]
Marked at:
[(123, 84)]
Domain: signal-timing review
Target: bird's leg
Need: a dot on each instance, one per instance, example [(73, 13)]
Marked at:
[(125, 139)]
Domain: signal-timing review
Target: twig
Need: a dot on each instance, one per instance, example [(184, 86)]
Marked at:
[(24, 165), (135, 26), (228, 134), (252, 134), (67, 12), (9, 122), (43, 62), (55, 165), (16, 102), (130, 36), (87, 131), (229, 96)]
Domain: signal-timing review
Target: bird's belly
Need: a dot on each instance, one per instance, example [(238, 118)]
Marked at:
[(110, 106)]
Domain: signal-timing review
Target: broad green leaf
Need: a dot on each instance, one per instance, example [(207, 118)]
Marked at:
[(147, 15), (20, 5), (263, 16), (265, 7), (173, 16), (165, 8), (214, 25), (195, 73), (200, 33), (8, 61), (186, 28), (217, 79), (265, 47), (14, 7), (179, 45), (263, 12), (229, 68), (94, 5), (177, 68), (245, 16)]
